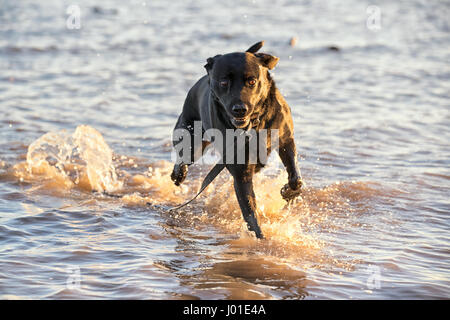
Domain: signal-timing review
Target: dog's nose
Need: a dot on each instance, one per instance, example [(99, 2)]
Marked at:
[(239, 110)]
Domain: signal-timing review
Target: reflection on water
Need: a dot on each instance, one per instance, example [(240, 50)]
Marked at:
[(91, 110), (250, 278)]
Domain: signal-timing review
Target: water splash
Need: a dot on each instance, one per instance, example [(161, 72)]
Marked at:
[(82, 158)]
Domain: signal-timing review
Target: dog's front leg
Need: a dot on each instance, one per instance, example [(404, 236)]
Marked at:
[(192, 149), (243, 186), (288, 155)]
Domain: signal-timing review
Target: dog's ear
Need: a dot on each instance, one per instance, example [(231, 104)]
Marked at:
[(267, 60), (210, 62), (254, 48)]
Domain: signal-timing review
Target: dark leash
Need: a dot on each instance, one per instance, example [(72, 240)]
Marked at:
[(286, 192), (212, 174)]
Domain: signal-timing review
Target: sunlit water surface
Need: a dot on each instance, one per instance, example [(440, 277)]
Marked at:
[(372, 129)]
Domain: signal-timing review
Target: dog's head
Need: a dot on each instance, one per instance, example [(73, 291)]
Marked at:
[(241, 82)]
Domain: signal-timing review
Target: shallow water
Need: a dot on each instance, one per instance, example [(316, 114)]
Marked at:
[(372, 128)]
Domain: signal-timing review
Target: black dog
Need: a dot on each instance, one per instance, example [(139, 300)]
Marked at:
[(238, 93)]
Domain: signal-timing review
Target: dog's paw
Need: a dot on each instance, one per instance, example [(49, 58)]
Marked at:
[(292, 189), (295, 183), (179, 173)]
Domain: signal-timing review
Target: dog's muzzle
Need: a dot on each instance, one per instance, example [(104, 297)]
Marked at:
[(240, 117)]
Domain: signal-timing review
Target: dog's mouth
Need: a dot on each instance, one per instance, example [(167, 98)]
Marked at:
[(240, 123)]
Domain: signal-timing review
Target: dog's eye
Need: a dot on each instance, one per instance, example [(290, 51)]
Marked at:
[(223, 83), (251, 81)]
